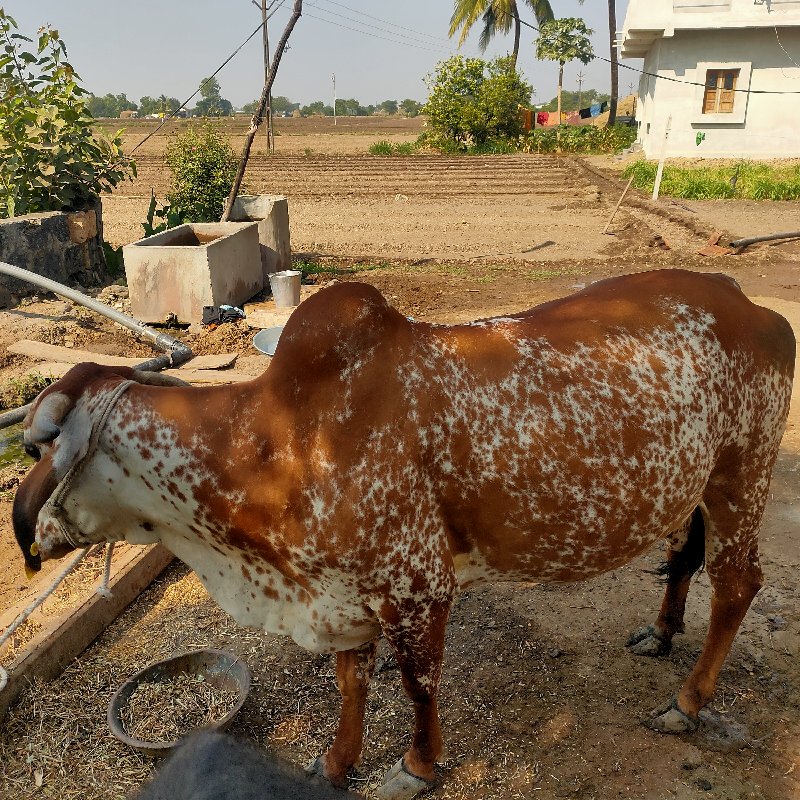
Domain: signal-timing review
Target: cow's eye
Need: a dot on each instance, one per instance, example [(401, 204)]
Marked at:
[(33, 451)]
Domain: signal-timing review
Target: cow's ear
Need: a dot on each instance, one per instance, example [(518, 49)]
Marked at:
[(157, 379), (44, 422)]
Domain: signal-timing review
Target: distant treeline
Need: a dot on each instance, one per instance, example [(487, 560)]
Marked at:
[(574, 101), (112, 105)]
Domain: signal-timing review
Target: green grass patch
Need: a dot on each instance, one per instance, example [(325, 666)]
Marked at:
[(308, 267), (19, 391), (747, 180), (587, 139), (386, 148)]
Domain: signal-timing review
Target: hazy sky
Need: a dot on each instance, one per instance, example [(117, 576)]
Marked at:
[(378, 50)]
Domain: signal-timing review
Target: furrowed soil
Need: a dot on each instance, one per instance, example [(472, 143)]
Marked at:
[(539, 696)]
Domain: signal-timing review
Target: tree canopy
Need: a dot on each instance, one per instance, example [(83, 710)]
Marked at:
[(109, 105), (498, 15), (564, 40), (212, 103), (473, 101)]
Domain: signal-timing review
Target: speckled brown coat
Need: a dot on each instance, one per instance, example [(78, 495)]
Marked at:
[(381, 464)]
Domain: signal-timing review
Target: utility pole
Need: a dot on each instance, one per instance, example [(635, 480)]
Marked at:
[(270, 133), (581, 76), (334, 97)]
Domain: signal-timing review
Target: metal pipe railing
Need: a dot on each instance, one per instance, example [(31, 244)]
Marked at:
[(175, 351)]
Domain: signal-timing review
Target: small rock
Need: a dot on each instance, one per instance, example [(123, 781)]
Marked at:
[(777, 621), (556, 652), (693, 758), (705, 785)]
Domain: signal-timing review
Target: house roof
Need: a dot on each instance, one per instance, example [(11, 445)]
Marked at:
[(649, 20)]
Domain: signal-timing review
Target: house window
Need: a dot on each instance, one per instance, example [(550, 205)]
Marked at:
[(720, 91)]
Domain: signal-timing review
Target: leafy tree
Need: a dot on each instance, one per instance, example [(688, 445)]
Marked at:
[(498, 15), (51, 158), (576, 100), (280, 105), (203, 168), (410, 108), (389, 106), (212, 103), (350, 108), (158, 105), (564, 40), (315, 109), (473, 101), (109, 105)]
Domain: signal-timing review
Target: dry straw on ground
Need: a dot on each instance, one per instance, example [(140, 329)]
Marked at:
[(164, 711)]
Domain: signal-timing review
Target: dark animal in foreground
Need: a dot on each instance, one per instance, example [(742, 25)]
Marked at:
[(380, 465), (216, 766)]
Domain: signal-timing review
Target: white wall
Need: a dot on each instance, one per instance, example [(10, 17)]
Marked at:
[(765, 126), (672, 15)]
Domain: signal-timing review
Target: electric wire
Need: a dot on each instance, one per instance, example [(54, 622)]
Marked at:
[(415, 43), (437, 39), (208, 80)]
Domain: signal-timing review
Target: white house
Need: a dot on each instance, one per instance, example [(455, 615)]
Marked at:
[(713, 58)]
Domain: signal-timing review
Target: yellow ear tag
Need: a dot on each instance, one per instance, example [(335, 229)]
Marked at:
[(29, 573), (34, 549)]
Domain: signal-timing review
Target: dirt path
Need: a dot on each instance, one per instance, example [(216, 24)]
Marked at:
[(540, 697)]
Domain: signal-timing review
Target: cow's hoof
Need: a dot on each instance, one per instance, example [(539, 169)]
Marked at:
[(670, 719), (317, 767), (648, 641), (400, 784)]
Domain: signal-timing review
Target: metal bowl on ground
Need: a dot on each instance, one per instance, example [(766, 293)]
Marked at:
[(266, 341), (220, 669)]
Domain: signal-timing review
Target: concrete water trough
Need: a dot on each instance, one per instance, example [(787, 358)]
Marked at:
[(183, 269)]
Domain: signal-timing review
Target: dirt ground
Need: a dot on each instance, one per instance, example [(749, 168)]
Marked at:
[(539, 696)]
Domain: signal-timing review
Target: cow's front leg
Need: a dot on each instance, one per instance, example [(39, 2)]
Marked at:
[(354, 670), (417, 638)]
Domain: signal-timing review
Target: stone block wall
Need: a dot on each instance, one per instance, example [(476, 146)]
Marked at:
[(65, 247)]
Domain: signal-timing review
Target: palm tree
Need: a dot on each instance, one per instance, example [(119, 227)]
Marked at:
[(498, 15)]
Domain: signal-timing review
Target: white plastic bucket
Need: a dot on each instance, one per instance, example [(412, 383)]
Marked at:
[(285, 288)]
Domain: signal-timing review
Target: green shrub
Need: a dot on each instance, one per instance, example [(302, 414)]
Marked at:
[(473, 102), (203, 168), (18, 391), (170, 216), (50, 158), (746, 180), (384, 148), (578, 139)]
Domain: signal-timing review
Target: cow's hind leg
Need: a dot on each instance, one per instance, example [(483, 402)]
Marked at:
[(732, 518), (685, 555), (354, 670), (417, 639)]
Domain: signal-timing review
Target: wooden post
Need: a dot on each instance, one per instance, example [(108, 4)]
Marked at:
[(265, 32), (258, 117), (619, 203), (660, 172)]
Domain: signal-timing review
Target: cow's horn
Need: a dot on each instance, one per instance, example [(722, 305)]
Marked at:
[(47, 418), (157, 379)]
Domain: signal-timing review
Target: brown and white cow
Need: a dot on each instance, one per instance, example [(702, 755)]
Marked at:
[(380, 465)]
